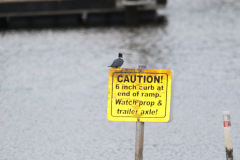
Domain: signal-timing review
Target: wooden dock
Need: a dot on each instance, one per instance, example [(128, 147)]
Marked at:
[(17, 8), (28, 12)]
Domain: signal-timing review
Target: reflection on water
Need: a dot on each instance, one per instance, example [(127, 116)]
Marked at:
[(53, 86)]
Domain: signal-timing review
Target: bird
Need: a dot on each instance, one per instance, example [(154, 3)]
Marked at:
[(117, 62)]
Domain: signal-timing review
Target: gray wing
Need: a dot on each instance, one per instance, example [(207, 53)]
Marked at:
[(113, 64), (117, 63)]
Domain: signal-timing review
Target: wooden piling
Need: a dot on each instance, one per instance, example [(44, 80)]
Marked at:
[(227, 134), (131, 15)]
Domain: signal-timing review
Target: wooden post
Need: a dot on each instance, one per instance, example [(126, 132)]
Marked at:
[(227, 134), (131, 15), (139, 134), (139, 140)]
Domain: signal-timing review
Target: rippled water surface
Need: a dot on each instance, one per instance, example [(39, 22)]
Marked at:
[(54, 85)]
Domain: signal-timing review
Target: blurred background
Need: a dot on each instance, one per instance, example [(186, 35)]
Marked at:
[(54, 82)]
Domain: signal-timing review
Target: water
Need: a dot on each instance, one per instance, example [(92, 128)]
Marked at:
[(54, 84)]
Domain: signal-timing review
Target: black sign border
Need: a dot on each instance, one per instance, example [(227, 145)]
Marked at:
[(137, 116)]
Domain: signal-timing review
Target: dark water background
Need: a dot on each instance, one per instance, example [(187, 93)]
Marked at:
[(54, 84)]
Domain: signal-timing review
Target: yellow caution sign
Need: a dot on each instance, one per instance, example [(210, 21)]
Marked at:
[(139, 95)]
